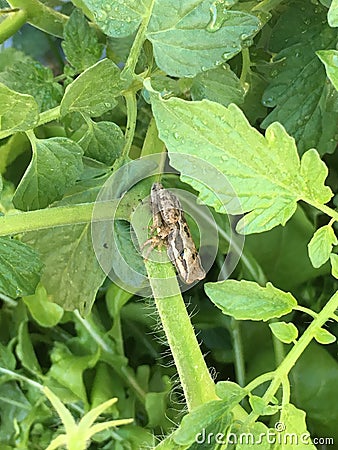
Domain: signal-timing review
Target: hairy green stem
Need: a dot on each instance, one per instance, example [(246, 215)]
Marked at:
[(195, 378)]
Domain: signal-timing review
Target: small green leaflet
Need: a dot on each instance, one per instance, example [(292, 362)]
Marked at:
[(320, 246), (20, 268), (285, 332), (220, 85), (246, 300), (234, 167), (324, 337), (67, 253)]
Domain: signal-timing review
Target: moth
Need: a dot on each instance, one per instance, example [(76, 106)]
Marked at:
[(173, 231)]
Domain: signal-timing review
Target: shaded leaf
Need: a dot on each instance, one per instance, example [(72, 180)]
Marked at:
[(43, 311), (103, 141), (220, 85), (55, 166), (30, 77), (20, 268), (68, 254), (298, 90), (67, 369), (25, 350)]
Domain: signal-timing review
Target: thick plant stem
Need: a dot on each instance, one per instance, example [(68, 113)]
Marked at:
[(195, 378), (12, 224)]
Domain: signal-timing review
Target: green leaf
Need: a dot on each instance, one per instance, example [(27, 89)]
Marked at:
[(117, 19), (43, 311), (297, 89), (67, 369), (7, 359), (20, 268), (200, 418), (260, 407), (19, 112), (10, 56), (67, 253), (94, 91), (254, 437), (320, 246), (246, 300), (25, 350), (103, 141), (234, 167), (330, 60), (293, 422), (14, 408), (332, 15), (220, 85), (324, 337), (282, 253), (230, 391), (30, 77), (184, 46), (315, 388), (334, 264), (285, 332), (80, 44), (55, 166)]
